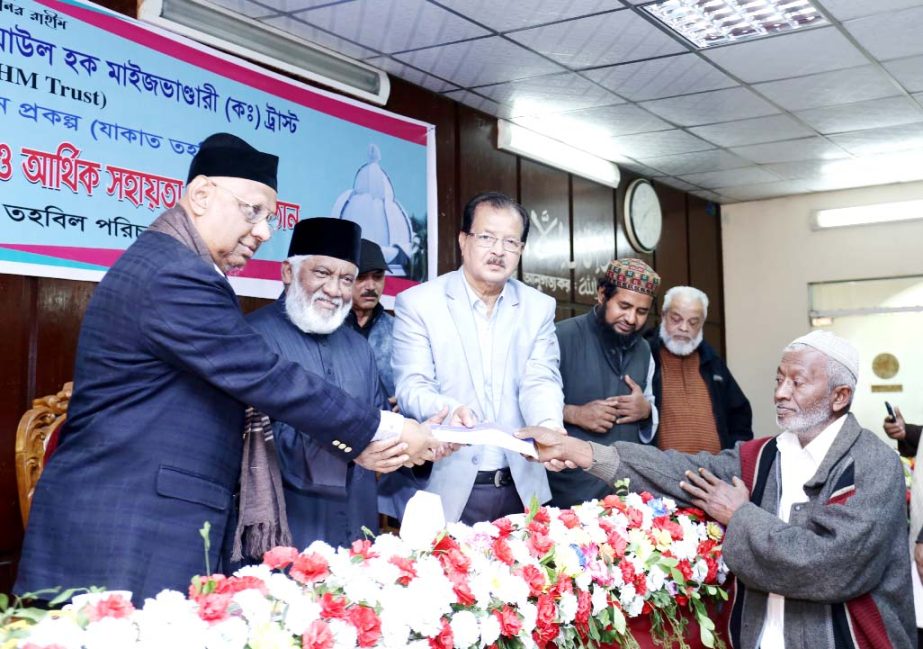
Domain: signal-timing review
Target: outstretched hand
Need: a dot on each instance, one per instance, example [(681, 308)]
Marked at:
[(444, 449), (716, 497), (556, 450)]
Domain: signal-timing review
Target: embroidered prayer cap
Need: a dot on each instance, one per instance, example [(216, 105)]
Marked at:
[(833, 346), (328, 237), (371, 258), (223, 154), (634, 275)]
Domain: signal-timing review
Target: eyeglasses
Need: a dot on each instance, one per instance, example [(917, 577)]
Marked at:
[(484, 240), (254, 214)]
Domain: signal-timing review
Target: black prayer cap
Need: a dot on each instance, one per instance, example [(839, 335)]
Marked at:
[(223, 154), (325, 236), (371, 257)]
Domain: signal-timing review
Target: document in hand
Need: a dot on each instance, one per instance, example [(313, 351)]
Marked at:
[(489, 434)]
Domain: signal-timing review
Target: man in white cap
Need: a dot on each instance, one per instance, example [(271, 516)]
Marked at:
[(816, 529)]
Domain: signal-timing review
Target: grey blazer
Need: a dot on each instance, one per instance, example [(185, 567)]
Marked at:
[(437, 362)]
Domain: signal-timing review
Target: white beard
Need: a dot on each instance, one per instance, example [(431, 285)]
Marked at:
[(678, 347), (299, 306), (806, 419)]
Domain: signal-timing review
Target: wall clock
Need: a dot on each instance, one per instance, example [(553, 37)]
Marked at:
[(643, 218)]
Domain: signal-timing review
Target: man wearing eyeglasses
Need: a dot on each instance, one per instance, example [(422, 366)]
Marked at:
[(165, 365), (482, 344)]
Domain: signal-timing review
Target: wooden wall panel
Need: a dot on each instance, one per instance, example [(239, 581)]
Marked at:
[(546, 257), (672, 255), (705, 268), (594, 235)]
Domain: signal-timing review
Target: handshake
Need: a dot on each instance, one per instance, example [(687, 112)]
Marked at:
[(417, 445)]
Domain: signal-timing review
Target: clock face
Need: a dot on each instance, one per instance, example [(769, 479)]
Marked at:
[(643, 219)]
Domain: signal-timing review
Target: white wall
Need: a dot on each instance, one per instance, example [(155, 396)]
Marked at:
[(771, 254)]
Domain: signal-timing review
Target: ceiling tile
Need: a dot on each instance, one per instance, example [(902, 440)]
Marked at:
[(504, 16), (810, 168), (473, 63), (478, 102), (766, 190), (881, 140), (296, 27), (714, 197), (709, 107), (660, 143), (554, 93), (676, 183), (410, 74), (793, 54), (846, 9), (731, 177), (752, 131), (696, 162), (829, 88), (665, 77), (599, 40), (864, 114), (909, 72), (812, 148), (595, 123), (288, 6), (393, 25), (890, 35)]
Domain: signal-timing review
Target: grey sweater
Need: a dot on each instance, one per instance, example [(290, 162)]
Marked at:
[(841, 562)]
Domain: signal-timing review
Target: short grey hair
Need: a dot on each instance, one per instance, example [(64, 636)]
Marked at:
[(296, 260), (688, 292), (837, 373)]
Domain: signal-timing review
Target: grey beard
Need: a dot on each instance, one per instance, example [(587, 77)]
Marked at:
[(679, 348), (300, 310), (807, 419)]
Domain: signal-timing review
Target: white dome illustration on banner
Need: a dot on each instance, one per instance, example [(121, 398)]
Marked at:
[(372, 205)]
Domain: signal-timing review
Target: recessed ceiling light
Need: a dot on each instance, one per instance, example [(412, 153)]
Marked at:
[(868, 214), (706, 23)]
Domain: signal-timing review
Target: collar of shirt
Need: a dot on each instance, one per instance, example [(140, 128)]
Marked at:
[(477, 304), (788, 443)]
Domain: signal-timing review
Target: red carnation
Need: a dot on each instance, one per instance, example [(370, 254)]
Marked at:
[(584, 607), (635, 517), (280, 557), (308, 568), (613, 502), (332, 606), (445, 639), (462, 590), (537, 527), (545, 628), (510, 624), (505, 526), (114, 606), (367, 624), (539, 544), (318, 636), (214, 607), (406, 566), (569, 518), (238, 584), (618, 543), (445, 544), (502, 551), (685, 568), (535, 578), (454, 560), (542, 515), (362, 548)]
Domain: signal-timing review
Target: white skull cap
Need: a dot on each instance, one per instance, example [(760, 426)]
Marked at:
[(837, 348)]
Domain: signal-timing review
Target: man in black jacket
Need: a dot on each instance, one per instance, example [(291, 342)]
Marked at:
[(701, 406)]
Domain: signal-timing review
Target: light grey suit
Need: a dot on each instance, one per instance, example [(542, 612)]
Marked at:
[(437, 362)]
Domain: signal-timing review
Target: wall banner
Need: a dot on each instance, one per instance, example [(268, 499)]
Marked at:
[(100, 116)]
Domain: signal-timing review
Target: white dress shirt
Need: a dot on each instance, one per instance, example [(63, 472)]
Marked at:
[(797, 466)]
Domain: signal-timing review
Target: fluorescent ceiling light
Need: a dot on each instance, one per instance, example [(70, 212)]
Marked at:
[(707, 23), (867, 214), (515, 138), (246, 37)]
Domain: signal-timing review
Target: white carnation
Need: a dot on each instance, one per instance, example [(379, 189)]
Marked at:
[(598, 600), (227, 634), (567, 607), (63, 631), (110, 633), (345, 635), (254, 606), (465, 630), (490, 630), (300, 613), (529, 613)]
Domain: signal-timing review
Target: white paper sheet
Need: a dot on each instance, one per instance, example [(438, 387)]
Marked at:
[(488, 434)]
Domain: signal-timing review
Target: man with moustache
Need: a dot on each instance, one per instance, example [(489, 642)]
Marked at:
[(165, 365), (481, 344), (607, 370), (327, 497), (701, 406), (816, 531), (368, 317)]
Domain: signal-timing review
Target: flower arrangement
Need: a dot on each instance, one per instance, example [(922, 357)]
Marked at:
[(550, 578)]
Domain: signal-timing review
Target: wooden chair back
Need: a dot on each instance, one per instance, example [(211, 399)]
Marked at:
[(36, 427)]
